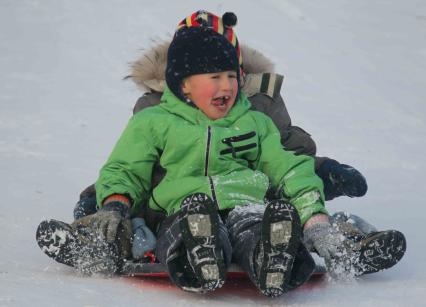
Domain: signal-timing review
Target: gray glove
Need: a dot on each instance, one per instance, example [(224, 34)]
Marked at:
[(331, 245), (107, 220), (143, 238)]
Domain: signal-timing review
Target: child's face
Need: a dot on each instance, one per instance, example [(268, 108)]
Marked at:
[(212, 93)]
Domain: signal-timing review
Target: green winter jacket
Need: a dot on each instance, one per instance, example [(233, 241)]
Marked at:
[(235, 160)]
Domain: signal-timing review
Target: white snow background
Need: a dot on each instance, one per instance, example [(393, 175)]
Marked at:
[(355, 79)]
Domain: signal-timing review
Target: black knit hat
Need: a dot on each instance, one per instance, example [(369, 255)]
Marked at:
[(224, 26), (198, 50)]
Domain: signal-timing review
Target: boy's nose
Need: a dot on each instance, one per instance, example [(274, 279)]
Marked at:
[(226, 83)]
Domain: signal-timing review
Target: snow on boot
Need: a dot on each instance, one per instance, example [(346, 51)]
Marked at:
[(379, 251), (199, 222), (280, 239), (77, 247), (352, 226), (373, 250), (57, 240)]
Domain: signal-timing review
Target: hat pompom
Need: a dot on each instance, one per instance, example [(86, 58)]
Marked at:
[(229, 19)]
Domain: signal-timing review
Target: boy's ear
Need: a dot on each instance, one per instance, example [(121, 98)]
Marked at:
[(186, 87)]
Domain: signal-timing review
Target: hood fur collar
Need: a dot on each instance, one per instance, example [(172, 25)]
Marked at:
[(148, 71)]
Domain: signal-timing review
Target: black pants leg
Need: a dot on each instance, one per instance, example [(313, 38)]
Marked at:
[(244, 229), (171, 251)]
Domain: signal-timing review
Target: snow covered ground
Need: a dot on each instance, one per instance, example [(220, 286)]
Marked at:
[(355, 79)]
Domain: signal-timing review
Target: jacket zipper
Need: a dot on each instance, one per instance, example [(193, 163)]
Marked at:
[(206, 163), (214, 198), (206, 166)]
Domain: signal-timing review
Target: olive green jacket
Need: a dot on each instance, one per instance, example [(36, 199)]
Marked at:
[(235, 160)]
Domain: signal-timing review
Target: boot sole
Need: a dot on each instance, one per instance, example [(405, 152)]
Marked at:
[(381, 251), (199, 223), (280, 237), (55, 239), (59, 241)]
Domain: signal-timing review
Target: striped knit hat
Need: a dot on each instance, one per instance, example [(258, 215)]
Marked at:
[(222, 26)]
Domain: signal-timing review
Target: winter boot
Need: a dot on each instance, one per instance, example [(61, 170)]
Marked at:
[(341, 179), (303, 267), (280, 240), (199, 222), (379, 251), (352, 226), (77, 247), (373, 250), (86, 205), (181, 272)]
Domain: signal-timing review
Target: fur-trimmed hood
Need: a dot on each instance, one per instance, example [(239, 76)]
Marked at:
[(148, 72)]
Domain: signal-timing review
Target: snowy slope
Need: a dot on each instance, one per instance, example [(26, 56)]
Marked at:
[(355, 79)]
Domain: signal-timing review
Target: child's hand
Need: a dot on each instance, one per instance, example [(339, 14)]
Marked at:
[(143, 238), (329, 243), (320, 236), (108, 219)]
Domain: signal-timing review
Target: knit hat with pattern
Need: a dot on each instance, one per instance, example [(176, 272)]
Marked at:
[(223, 26), (198, 50)]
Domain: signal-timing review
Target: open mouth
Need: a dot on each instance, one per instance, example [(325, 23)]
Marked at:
[(220, 101)]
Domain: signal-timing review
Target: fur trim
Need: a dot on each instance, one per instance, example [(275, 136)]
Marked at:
[(148, 71), (255, 62)]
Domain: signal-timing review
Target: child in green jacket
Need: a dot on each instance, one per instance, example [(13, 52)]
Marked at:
[(218, 155), (221, 162)]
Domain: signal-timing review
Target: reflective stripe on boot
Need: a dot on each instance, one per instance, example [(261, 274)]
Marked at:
[(280, 239), (199, 223)]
